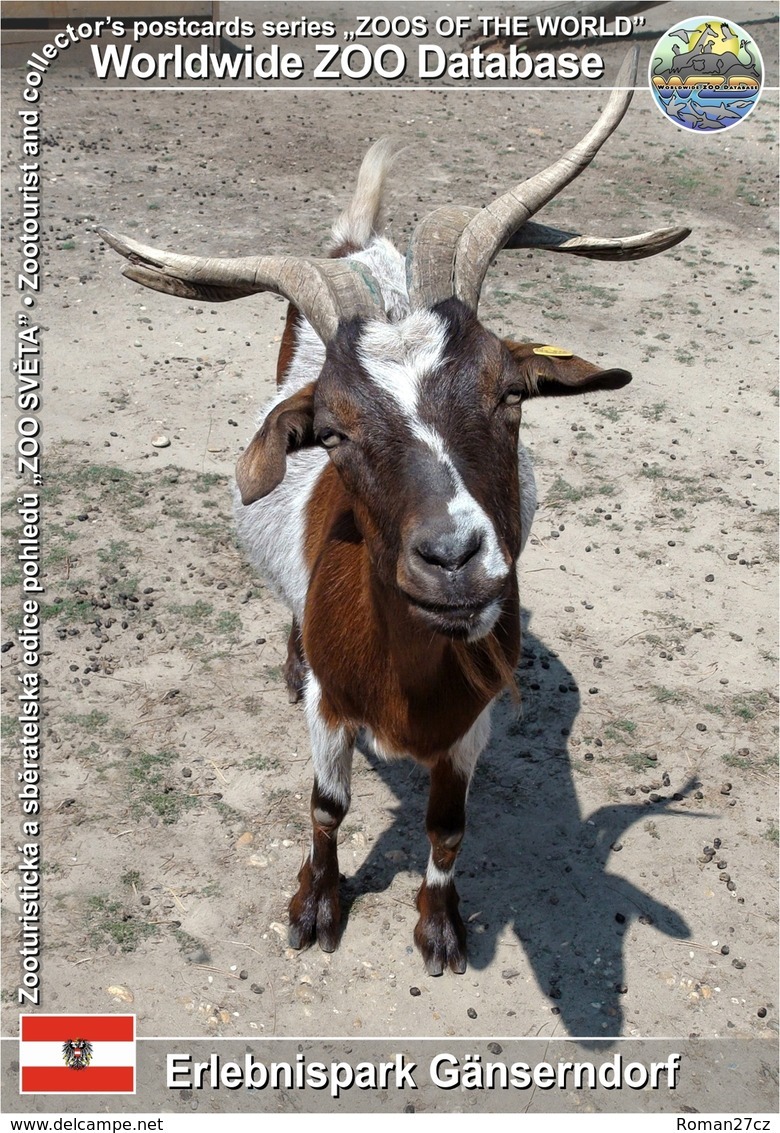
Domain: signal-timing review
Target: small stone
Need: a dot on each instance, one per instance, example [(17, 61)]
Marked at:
[(471, 1013), (495, 1048), (739, 964), (724, 951), (725, 789), (121, 993), (761, 1012), (701, 727), (161, 441), (415, 991)]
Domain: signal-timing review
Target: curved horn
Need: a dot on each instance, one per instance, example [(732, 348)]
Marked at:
[(430, 257), (324, 290), (532, 235), (470, 238)]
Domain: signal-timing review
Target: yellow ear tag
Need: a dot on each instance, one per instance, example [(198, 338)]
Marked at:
[(553, 352)]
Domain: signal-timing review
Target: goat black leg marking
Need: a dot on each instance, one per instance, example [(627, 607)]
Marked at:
[(440, 933), (315, 912), (295, 665)]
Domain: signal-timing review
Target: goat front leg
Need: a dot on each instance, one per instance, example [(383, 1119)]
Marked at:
[(440, 933), (315, 911)]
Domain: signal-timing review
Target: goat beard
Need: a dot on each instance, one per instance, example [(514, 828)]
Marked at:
[(481, 662)]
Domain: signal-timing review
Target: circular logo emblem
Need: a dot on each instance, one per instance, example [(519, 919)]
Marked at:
[(706, 74)]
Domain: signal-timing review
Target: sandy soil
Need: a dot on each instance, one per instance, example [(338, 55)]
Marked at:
[(176, 774)]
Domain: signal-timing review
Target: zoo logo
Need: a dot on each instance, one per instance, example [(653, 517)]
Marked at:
[(77, 1053), (706, 74)]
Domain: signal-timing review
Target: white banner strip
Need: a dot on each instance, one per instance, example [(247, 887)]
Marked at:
[(50, 1054), (387, 1123)]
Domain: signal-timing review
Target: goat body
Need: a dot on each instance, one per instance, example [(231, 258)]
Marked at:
[(398, 558)]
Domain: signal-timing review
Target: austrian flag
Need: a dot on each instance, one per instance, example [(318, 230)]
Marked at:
[(77, 1054)]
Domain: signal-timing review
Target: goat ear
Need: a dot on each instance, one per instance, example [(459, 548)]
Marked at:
[(549, 371), (289, 426)]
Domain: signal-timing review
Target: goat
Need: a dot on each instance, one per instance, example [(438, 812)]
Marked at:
[(386, 497)]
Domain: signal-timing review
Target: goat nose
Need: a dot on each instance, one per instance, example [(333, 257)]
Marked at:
[(450, 551)]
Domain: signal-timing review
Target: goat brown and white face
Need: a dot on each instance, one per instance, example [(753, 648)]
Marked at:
[(420, 419)]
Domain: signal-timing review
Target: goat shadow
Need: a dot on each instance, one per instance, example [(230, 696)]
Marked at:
[(532, 864)]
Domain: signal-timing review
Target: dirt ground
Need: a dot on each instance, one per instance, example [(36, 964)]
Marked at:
[(177, 776)]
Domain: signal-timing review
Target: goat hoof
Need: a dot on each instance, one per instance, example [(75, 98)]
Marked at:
[(435, 963), (328, 940), (300, 936), (312, 920), (442, 942)]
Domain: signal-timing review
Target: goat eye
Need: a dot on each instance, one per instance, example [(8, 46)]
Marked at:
[(329, 438), (513, 397)]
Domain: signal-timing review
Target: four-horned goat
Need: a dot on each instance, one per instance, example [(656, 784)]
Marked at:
[(386, 496)]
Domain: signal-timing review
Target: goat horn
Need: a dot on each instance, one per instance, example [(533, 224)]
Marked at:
[(324, 290), (430, 258), (532, 235), (487, 233), (469, 238)]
